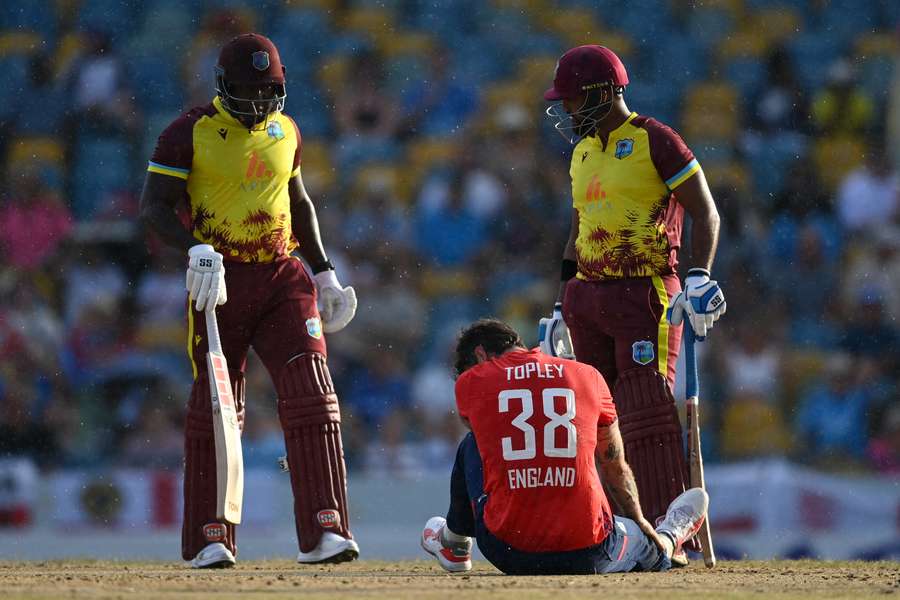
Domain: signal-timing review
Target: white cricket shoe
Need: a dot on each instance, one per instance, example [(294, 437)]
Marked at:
[(332, 548), (455, 559), (684, 517), (214, 556)]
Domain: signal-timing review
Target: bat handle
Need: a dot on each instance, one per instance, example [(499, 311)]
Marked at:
[(212, 330), (692, 380)]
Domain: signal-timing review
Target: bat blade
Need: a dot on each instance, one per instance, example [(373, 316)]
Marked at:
[(695, 459), (227, 434)]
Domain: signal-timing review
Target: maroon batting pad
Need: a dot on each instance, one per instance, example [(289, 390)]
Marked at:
[(310, 417), (200, 469)]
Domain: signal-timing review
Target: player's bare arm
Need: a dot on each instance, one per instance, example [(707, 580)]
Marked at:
[(158, 201), (337, 304), (619, 480), (569, 251), (695, 197), (305, 224)]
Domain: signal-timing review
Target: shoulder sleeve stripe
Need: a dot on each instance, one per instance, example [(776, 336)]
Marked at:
[(681, 176), (166, 170)]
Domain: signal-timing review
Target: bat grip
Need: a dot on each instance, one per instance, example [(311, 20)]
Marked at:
[(692, 381), (212, 331)]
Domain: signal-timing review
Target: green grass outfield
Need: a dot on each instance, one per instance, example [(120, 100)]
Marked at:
[(424, 579)]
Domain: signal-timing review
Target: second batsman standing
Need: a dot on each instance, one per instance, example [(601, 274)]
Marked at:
[(236, 163), (632, 179)]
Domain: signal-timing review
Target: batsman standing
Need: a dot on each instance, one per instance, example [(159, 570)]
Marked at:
[(236, 163), (632, 180)]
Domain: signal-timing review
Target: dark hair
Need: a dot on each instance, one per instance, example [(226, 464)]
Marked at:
[(495, 336)]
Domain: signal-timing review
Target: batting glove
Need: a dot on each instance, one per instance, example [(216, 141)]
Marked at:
[(337, 304), (205, 279), (701, 300), (554, 336)]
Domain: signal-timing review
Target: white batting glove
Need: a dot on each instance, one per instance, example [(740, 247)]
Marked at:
[(337, 304), (554, 336), (701, 300), (205, 277)]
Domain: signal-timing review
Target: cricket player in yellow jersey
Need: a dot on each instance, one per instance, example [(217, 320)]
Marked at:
[(632, 180), (236, 164)]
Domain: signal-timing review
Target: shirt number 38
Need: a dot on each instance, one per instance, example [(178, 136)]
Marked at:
[(556, 421)]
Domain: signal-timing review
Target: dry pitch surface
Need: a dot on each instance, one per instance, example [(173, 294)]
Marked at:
[(421, 579)]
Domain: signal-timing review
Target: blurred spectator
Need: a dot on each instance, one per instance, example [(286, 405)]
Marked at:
[(781, 108), (157, 441), (842, 107), (34, 221), (219, 26), (875, 265), (831, 419), (366, 115), (870, 195), (884, 449), (100, 93), (262, 441), (379, 388), (440, 103)]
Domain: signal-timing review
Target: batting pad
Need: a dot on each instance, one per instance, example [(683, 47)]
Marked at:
[(651, 433), (311, 419), (200, 467)]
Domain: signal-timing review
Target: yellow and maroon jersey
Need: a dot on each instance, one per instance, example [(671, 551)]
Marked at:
[(236, 180), (629, 223)]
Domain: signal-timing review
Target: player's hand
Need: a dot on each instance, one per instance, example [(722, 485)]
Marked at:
[(337, 304), (651, 533), (701, 300), (205, 277), (554, 336)]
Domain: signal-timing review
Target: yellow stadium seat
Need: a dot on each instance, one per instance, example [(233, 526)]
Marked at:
[(742, 44), (775, 24), (577, 22), (711, 111), (40, 149), (380, 176), (316, 168), (835, 157), (376, 22), (876, 44), (413, 43), (729, 175), (326, 5), (333, 73), (533, 8), (536, 72), (752, 427), (18, 42)]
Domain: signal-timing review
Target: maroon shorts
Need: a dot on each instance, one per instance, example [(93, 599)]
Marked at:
[(621, 324), (271, 307)]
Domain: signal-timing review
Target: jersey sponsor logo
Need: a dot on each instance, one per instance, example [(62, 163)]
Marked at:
[(642, 352), (535, 477), (257, 168), (214, 532), (223, 133), (595, 191), (314, 327), (624, 148), (275, 131), (261, 60)]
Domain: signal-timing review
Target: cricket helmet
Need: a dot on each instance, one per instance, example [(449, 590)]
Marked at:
[(250, 59)]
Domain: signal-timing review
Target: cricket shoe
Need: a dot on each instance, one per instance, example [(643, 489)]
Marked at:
[(684, 517), (457, 558), (679, 557), (332, 549), (214, 556)]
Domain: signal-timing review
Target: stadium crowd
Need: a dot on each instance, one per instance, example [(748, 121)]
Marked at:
[(442, 195)]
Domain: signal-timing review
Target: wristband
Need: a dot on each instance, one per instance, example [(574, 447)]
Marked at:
[(568, 270), (325, 265)]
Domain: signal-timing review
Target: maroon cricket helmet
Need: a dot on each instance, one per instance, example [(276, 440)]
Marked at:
[(585, 68), (251, 59)]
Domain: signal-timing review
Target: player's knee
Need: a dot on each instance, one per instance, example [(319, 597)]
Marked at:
[(645, 403), (306, 392)]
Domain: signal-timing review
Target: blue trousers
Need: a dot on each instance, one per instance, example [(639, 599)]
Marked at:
[(625, 549)]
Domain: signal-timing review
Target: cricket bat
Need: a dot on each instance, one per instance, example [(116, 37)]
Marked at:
[(695, 458), (227, 432)]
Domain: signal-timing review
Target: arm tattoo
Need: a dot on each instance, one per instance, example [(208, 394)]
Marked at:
[(612, 452)]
